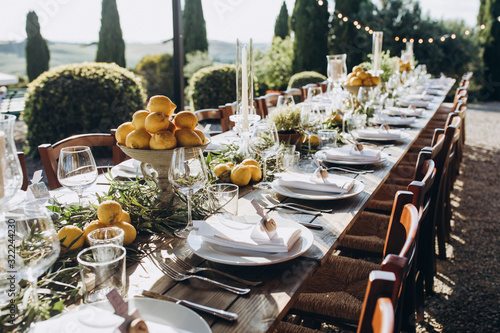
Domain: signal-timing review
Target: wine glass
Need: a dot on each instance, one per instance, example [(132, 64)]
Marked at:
[(188, 174), (285, 100), (313, 94), (310, 120), (76, 169), (264, 141), (35, 243), (364, 95)]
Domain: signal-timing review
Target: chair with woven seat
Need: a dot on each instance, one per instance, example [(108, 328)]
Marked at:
[(337, 289), (49, 153), (213, 114)]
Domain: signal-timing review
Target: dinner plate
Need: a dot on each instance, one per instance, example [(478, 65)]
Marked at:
[(161, 317), (362, 136), (236, 257), (296, 193), (320, 155)]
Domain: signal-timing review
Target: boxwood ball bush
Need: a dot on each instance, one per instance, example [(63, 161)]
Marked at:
[(80, 98), (213, 86), (301, 79)]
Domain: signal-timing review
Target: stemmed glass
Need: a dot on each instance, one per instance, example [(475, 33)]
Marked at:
[(364, 95), (188, 174), (285, 100), (313, 94), (264, 141), (310, 120), (76, 169)]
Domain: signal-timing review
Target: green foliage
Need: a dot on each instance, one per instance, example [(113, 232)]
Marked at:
[(194, 29), (273, 68), (37, 51), (345, 38), (80, 98), (281, 27), (489, 10), (195, 61), (387, 64), (158, 72), (301, 79), (111, 47), (213, 86), (287, 119), (310, 24)]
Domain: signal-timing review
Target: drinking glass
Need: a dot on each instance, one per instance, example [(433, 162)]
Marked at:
[(76, 169), (188, 174), (10, 169), (224, 198), (313, 94), (364, 95), (264, 141), (285, 100), (310, 121)]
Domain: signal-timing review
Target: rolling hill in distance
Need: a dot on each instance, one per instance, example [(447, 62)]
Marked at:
[(12, 55)]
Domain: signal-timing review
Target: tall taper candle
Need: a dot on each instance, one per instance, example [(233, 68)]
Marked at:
[(244, 89)]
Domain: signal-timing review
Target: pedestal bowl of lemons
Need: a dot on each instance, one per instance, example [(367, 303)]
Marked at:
[(359, 78)]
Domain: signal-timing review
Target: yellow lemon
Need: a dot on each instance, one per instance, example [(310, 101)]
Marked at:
[(129, 232), (71, 238), (230, 164), (138, 139), (250, 161), (139, 119), (163, 104), (187, 138), (241, 175), (376, 80), (94, 225), (357, 69), (256, 172), (171, 127), (156, 122), (185, 119), (163, 140), (109, 212), (355, 82), (201, 135), (362, 75), (122, 131), (126, 217), (219, 169), (367, 82)]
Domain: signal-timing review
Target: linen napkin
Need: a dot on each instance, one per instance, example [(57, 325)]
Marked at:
[(394, 110), (377, 133), (384, 119), (436, 92), (415, 103), (348, 154), (418, 97), (247, 234), (131, 165), (332, 184)]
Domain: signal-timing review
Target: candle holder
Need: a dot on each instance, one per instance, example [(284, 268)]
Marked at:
[(377, 53)]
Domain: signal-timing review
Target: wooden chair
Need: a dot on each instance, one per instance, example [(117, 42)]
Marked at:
[(22, 161), (261, 107), (213, 114), (304, 89), (228, 110), (49, 153), (295, 92)]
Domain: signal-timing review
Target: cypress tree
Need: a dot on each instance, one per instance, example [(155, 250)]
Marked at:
[(37, 51), (111, 47), (489, 10), (281, 27), (310, 24), (195, 31)]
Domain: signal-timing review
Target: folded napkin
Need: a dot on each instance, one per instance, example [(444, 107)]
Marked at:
[(394, 110), (348, 154), (375, 133), (384, 119), (415, 103), (437, 92), (131, 165), (332, 184), (418, 97), (246, 234)]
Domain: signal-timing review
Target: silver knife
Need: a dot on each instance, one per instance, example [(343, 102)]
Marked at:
[(213, 311)]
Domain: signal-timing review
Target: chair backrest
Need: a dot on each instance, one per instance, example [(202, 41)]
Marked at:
[(271, 99), (213, 114), (261, 107), (49, 153), (304, 89), (22, 161), (295, 92), (228, 110), (377, 314)]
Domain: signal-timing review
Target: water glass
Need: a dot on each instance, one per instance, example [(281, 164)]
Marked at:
[(100, 277), (290, 161), (111, 235), (285, 100), (224, 198), (328, 138)]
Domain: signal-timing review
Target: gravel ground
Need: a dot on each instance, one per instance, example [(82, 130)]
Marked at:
[(468, 284)]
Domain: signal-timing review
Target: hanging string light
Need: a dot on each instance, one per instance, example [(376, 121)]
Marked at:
[(442, 38)]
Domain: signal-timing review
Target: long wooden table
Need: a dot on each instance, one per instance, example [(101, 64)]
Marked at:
[(265, 305)]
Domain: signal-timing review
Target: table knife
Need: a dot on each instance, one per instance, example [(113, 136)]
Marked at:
[(213, 311)]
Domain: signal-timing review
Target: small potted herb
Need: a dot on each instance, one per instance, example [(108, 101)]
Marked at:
[(287, 120)]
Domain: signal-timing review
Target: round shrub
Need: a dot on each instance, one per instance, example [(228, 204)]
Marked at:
[(213, 86), (158, 71), (80, 98), (301, 79)]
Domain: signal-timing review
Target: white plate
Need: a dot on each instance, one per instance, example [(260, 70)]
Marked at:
[(231, 256), (402, 136), (168, 316), (296, 193), (320, 155)]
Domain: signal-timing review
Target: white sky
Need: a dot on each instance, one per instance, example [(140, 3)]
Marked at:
[(150, 21)]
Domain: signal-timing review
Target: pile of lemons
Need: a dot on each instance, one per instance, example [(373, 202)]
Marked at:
[(109, 214), (241, 174), (358, 77), (404, 66), (152, 128)]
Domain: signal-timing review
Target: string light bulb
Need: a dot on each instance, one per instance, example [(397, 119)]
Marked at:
[(431, 40), (370, 32), (420, 41), (412, 40), (453, 36), (396, 39), (405, 40), (443, 38), (483, 26), (320, 2), (358, 26), (467, 32), (367, 28), (498, 19), (339, 15), (345, 19), (355, 23)]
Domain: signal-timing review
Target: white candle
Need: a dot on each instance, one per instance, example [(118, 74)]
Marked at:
[(244, 90)]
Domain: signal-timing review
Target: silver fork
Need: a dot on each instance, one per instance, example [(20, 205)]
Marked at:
[(192, 269), (173, 274), (276, 203), (300, 210)]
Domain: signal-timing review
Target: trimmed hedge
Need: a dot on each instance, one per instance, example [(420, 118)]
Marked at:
[(301, 79), (213, 86), (80, 98), (158, 71)]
